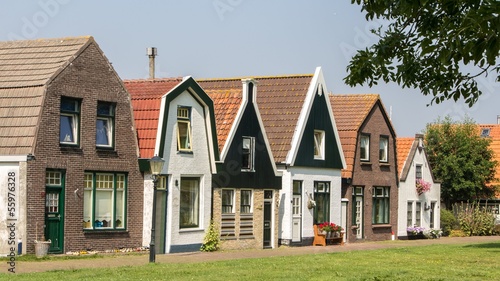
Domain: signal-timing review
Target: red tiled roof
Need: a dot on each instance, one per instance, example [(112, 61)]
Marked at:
[(146, 97), (280, 100), (350, 111), (403, 146), (494, 135)]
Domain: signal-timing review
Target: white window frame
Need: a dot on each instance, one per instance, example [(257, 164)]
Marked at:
[(383, 154), (409, 213), (74, 117), (364, 144), (227, 207), (250, 202), (108, 118), (248, 154), (184, 139), (382, 195), (319, 144)]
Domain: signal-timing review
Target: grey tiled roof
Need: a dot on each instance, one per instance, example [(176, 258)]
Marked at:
[(25, 68)]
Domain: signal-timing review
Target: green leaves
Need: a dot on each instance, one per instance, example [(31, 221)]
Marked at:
[(461, 159), (426, 44)]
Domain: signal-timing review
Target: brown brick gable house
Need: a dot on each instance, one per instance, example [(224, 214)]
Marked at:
[(66, 132), (370, 181)]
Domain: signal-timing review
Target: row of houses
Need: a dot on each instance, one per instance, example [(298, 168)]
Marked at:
[(265, 158)]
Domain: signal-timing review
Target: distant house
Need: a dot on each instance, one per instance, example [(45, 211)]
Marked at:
[(175, 120), (67, 150), (370, 179), (246, 187), (416, 206)]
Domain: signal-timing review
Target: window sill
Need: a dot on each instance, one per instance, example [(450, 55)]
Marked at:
[(71, 149), (104, 231), (103, 152), (366, 163), (385, 164), (184, 152), (184, 230), (381, 226), (248, 171)]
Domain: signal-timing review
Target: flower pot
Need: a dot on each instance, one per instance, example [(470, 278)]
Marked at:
[(41, 248)]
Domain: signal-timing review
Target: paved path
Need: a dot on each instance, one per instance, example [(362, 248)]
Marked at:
[(116, 260)]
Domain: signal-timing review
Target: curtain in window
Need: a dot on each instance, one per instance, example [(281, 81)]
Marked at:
[(190, 194)]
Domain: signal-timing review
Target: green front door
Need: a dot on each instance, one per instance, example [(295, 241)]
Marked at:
[(54, 211)]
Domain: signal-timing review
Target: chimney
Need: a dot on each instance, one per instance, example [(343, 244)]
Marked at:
[(152, 54), (498, 119)]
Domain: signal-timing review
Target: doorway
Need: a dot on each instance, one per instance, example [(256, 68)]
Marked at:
[(297, 211), (54, 210)]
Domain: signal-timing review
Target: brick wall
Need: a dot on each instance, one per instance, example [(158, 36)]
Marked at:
[(90, 78), (257, 240), (373, 174)]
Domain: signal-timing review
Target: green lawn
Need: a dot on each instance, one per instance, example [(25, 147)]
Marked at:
[(434, 262)]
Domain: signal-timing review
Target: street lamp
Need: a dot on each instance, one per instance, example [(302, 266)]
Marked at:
[(156, 165)]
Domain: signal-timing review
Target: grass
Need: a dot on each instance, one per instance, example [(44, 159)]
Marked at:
[(433, 262)]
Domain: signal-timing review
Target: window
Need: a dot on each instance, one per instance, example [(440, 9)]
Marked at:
[(190, 203), (409, 214), (104, 200), (380, 211), (383, 149), (431, 219), (184, 129), (319, 144), (227, 201), (418, 172), (322, 198), (248, 154), (105, 124), (365, 148), (418, 213), (69, 121), (246, 202)]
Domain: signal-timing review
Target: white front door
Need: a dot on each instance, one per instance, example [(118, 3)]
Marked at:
[(296, 218)]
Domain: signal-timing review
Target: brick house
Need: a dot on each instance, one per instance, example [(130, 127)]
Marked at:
[(370, 179), (420, 209), (246, 187), (175, 120), (65, 133)]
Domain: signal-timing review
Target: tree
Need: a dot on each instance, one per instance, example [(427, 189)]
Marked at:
[(461, 159), (427, 42)]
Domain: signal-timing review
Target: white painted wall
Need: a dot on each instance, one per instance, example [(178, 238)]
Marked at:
[(308, 176), (12, 228), (407, 191), (177, 165)]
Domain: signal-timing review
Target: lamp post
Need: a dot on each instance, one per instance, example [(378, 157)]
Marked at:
[(156, 165)]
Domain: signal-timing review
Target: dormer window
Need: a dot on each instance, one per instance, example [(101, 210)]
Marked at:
[(319, 144), (485, 132), (184, 129), (248, 154)]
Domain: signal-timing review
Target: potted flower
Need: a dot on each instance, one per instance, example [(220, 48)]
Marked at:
[(422, 186), (325, 227), (415, 232), (336, 229)]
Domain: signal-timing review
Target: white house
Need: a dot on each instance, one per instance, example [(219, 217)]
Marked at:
[(175, 120), (416, 207)]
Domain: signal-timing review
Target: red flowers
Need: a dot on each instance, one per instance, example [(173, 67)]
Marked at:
[(329, 227)]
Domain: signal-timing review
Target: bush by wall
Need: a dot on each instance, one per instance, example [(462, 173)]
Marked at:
[(475, 220), (448, 222)]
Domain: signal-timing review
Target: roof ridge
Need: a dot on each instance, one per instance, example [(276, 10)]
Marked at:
[(51, 39), (142, 80), (255, 77)]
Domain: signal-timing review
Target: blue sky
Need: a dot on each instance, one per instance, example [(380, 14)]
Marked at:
[(228, 38)]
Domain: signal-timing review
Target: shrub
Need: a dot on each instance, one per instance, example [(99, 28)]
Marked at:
[(457, 233), (211, 242), (475, 220), (448, 222)]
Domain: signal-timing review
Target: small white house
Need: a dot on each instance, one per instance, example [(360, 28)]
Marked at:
[(175, 121), (419, 193)]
